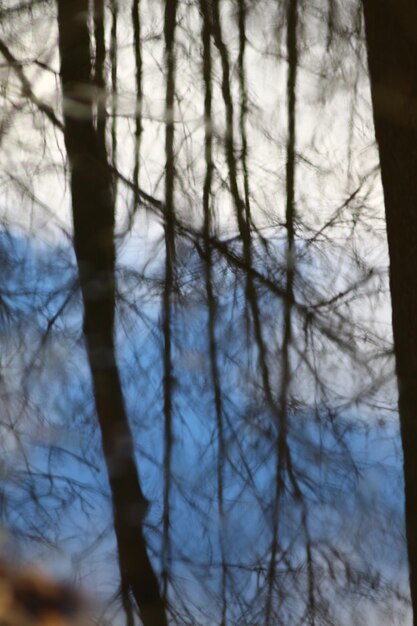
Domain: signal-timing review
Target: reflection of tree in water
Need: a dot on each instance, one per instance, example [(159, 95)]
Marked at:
[(225, 142)]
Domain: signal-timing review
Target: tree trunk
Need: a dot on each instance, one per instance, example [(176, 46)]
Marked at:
[(93, 215), (391, 35)]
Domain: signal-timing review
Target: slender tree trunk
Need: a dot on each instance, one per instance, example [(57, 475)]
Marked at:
[(391, 36), (93, 215), (212, 302), (99, 72), (283, 461), (136, 23), (114, 63), (169, 36)]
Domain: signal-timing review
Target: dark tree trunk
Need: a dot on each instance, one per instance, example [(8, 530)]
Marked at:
[(391, 35), (93, 215), (136, 23), (169, 36)]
